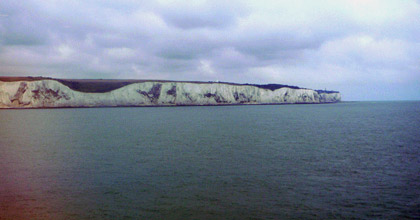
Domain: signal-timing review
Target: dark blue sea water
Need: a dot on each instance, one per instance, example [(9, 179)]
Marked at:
[(346, 160)]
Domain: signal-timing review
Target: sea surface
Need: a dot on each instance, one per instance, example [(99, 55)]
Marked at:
[(331, 161)]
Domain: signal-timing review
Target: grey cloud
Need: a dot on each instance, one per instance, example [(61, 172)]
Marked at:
[(14, 37), (20, 27), (212, 40), (198, 19), (274, 46), (181, 47), (211, 14)]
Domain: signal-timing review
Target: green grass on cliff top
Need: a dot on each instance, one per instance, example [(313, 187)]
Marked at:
[(107, 85)]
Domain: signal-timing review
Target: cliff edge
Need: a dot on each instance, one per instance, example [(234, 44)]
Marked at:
[(49, 93)]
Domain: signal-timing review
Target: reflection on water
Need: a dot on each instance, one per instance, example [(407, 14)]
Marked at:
[(347, 160)]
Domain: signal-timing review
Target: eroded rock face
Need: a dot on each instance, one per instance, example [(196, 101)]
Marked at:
[(153, 94), (51, 93), (17, 98)]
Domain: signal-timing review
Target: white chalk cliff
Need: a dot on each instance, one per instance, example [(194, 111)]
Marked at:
[(51, 93)]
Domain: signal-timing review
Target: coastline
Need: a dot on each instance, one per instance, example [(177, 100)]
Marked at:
[(53, 93)]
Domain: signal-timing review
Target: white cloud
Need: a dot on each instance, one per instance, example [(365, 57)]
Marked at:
[(206, 68), (65, 51), (120, 53)]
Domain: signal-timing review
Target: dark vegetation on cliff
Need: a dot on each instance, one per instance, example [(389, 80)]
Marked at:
[(326, 91), (22, 78), (94, 86), (273, 87), (107, 85)]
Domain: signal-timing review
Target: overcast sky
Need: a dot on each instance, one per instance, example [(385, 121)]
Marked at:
[(366, 49)]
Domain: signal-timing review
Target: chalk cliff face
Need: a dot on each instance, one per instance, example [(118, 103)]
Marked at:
[(51, 93)]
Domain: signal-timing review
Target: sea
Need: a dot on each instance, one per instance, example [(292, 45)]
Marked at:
[(350, 160)]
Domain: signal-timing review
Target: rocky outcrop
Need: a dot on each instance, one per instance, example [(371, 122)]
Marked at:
[(48, 93)]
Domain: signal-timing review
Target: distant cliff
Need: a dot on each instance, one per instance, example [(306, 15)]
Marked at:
[(28, 92)]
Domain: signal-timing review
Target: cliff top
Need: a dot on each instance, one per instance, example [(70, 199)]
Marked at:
[(107, 85)]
